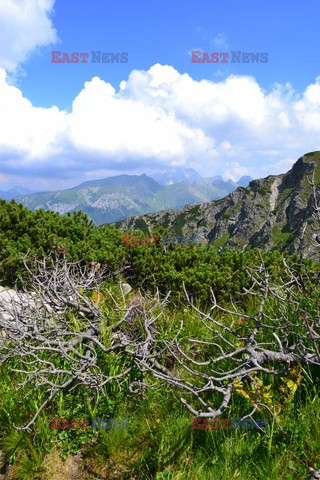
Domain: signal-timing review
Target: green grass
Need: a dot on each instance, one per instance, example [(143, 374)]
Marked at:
[(220, 242), (280, 236), (160, 443)]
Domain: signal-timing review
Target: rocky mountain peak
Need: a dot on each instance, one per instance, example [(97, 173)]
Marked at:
[(276, 212)]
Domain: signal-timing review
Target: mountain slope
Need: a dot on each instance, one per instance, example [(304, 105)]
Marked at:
[(103, 200), (273, 212), (115, 198)]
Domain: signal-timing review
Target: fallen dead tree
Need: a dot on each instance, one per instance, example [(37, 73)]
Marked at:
[(58, 321), (281, 330), (280, 333)]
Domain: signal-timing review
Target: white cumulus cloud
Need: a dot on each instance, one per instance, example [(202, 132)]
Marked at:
[(24, 26), (159, 118)]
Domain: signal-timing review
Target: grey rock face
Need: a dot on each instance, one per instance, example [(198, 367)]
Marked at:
[(276, 212)]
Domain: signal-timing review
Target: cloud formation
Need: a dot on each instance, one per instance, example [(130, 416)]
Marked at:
[(159, 118), (24, 26)]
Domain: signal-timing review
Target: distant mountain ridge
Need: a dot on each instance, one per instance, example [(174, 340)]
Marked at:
[(276, 212), (176, 175), (15, 192), (116, 198)]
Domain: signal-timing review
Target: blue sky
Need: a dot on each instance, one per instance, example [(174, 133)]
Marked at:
[(61, 124)]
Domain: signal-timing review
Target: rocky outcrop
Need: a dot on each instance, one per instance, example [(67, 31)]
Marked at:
[(276, 212)]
